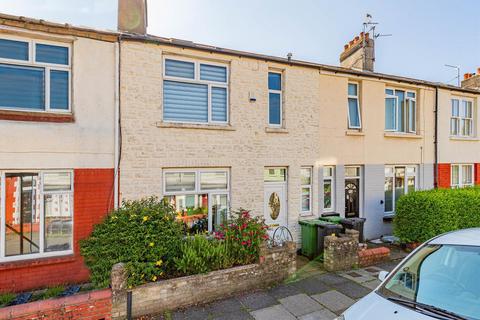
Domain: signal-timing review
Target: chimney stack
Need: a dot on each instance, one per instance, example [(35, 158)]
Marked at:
[(471, 80), (359, 53), (132, 16)]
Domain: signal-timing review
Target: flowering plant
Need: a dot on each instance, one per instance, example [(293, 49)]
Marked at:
[(244, 234)]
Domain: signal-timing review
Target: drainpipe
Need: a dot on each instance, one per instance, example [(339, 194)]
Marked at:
[(435, 141), (116, 126)]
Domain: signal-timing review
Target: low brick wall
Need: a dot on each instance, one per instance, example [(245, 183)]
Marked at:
[(94, 305), (274, 266), (369, 257)]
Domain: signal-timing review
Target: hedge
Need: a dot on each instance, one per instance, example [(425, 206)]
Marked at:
[(422, 215)]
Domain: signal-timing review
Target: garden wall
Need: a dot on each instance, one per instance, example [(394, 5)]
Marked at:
[(94, 305), (274, 266)]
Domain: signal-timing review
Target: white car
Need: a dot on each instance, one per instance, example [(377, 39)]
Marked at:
[(439, 280)]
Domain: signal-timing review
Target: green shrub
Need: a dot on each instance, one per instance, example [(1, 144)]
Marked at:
[(143, 234), (245, 234), (200, 254), (425, 214)]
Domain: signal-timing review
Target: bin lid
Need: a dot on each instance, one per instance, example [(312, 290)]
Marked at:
[(307, 222)]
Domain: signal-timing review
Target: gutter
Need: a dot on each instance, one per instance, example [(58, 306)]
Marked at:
[(435, 142)]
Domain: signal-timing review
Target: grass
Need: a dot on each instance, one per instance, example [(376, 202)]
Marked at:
[(53, 292), (6, 298)]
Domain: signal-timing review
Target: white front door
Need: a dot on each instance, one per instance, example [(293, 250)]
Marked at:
[(275, 205)]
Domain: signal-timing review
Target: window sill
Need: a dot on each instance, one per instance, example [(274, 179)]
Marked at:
[(36, 116), (464, 138), (226, 127), (357, 133), (402, 135), (275, 130), (388, 217), (35, 262), (306, 214)]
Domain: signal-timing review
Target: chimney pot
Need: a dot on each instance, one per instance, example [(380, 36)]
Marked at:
[(351, 43), (466, 76), (345, 47)]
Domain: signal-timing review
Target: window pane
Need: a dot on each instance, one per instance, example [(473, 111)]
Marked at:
[(411, 184), (412, 109), (22, 87), (399, 183), (388, 171), (353, 113), (192, 210), (213, 73), (274, 174), (11, 49), (401, 110), (454, 126), (51, 54), (352, 172), (219, 210), (388, 194), (185, 102), (467, 175), (306, 176), (327, 194), (59, 90), (468, 111), (180, 69), (411, 94), (57, 181), (219, 104), (213, 180), (58, 222), (463, 128), (305, 199), (455, 108), (352, 89), (468, 127), (274, 81), (455, 176), (22, 214), (179, 181), (389, 92), (464, 111), (327, 171), (390, 113), (274, 114)]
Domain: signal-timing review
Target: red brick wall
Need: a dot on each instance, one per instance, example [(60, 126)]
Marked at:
[(444, 175), (93, 198), (94, 305), (369, 257), (477, 173)]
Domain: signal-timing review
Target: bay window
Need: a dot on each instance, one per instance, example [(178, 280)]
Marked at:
[(199, 196), (461, 120), (399, 180), (306, 185), (34, 75), (461, 175), (37, 214), (328, 189), (195, 92), (400, 111)]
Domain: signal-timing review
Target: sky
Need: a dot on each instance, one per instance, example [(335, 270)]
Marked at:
[(426, 34)]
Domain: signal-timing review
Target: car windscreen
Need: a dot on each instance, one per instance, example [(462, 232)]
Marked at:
[(442, 276)]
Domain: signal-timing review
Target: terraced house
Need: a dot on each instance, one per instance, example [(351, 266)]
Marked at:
[(57, 103), (210, 128)]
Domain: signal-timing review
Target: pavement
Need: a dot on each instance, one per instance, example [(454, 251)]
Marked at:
[(312, 294)]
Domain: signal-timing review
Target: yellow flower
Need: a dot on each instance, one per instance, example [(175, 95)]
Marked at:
[(159, 263), (142, 276), (145, 218), (154, 278), (151, 244)]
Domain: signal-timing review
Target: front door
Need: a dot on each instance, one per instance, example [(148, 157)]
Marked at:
[(275, 205), (352, 201)]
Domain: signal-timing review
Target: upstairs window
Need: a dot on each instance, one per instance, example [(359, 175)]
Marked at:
[(354, 119), (461, 175), (461, 121), (275, 99), (34, 76), (195, 92), (400, 111)]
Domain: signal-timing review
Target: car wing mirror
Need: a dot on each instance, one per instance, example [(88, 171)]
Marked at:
[(382, 275)]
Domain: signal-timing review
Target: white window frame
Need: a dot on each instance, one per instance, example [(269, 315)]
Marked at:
[(310, 190), (392, 175), (31, 62), (356, 97), (196, 80), (330, 178), (198, 190), (280, 93), (460, 175), (462, 117), (406, 113), (40, 254)]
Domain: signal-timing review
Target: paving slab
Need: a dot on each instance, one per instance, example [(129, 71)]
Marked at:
[(257, 300), (276, 312), (194, 313), (358, 276), (334, 301), (311, 286), (323, 314), (372, 284), (235, 315), (352, 289), (283, 290), (300, 304), (331, 279)]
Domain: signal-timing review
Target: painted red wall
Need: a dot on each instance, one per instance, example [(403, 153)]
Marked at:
[(93, 199), (444, 176), (477, 174)]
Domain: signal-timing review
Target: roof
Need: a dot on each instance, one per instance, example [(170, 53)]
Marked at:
[(57, 28), (465, 237), (334, 69)]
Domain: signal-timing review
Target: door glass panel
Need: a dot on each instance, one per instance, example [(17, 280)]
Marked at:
[(57, 181), (58, 222), (388, 194), (399, 182), (274, 205), (22, 214), (219, 210)]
